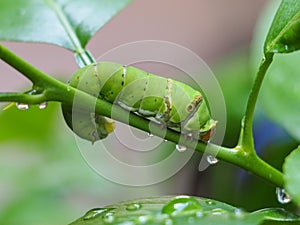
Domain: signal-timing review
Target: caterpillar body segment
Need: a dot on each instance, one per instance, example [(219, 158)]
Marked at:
[(170, 102), (89, 126)]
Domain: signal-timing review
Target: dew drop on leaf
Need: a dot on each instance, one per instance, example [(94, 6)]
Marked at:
[(91, 214), (43, 105), (239, 213), (212, 160), (109, 217), (133, 207), (181, 148), (218, 212), (22, 106), (282, 196), (181, 204), (143, 219), (210, 202)]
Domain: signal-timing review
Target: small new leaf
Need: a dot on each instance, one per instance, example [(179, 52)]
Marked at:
[(284, 34)]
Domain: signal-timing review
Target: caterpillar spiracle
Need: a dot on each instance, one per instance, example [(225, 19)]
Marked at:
[(172, 103)]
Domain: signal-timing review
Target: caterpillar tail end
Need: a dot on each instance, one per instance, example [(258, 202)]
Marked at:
[(110, 125), (206, 136), (103, 127)]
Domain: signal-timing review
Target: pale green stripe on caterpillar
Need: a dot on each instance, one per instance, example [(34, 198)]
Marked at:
[(172, 103)]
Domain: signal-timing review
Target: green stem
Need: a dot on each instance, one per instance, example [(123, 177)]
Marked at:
[(54, 90), (37, 77), (246, 137), (23, 98)]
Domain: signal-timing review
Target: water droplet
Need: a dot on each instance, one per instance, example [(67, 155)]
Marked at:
[(282, 196), (239, 213), (181, 148), (218, 211), (210, 202), (143, 219), (181, 204), (43, 105), (286, 47), (133, 207), (108, 217), (95, 212), (212, 160), (150, 135), (22, 106), (165, 140), (32, 92)]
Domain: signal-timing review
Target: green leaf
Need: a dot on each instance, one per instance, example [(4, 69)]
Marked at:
[(67, 23), (280, 95), (179, 210), (234, 69), (33, 124), (284, 34), (292, 175)]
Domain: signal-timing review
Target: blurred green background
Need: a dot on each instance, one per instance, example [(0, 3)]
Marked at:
[(45, 180)]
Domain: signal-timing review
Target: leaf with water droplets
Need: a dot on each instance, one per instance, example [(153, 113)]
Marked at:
[(181, 204), (284, 34), (133, 207), (183, 210), (93, 213), (292, 175)]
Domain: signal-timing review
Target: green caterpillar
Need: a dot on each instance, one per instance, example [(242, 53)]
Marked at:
[(170, 102)]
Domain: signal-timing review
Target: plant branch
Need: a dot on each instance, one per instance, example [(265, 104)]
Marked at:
[(246, 136), (21, 97), (38, 78), (250, 163), (54, 90)]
